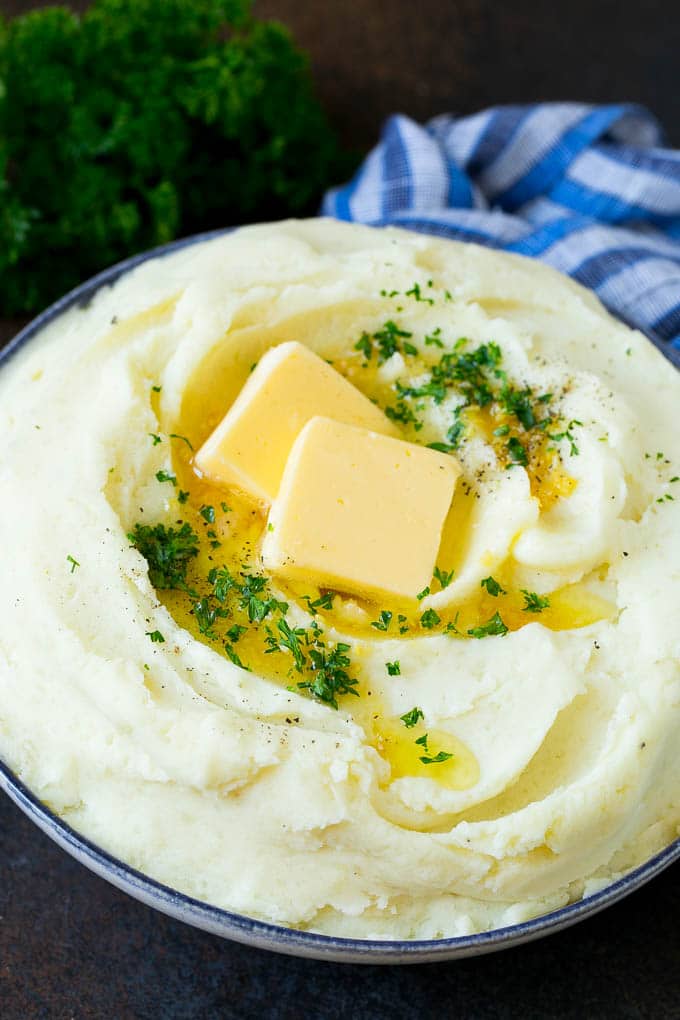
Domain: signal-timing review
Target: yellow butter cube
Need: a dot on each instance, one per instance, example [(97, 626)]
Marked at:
[(359, 512), (249, 448)]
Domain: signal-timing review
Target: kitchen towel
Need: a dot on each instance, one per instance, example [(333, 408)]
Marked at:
[(589, 189)]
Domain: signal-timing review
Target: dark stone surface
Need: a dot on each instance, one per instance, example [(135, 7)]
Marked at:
[(73, 947)]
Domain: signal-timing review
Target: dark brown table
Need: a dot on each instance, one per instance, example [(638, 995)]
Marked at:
[(73, 947)]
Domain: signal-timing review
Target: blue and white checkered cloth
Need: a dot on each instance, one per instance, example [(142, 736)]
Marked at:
[(588, 189)]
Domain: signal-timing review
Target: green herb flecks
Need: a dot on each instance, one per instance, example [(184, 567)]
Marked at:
[(492, 628), (436, 759), (385, 342), (493, 587), (168, 552), (567, 434), (516, 452), (410, 719), (428, 758), (384, 621), (329, 677), (445, 577), (175, 435), (534, 603), (206, 616), (166, 476), (235, 657), (430, 619)]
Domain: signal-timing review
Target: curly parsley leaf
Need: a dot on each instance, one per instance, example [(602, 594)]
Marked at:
[(137, 122)]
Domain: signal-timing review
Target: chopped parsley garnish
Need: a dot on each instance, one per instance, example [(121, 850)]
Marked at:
[(429, 619), (470, 372), (433, 338), (182, 496), (389, 340), (233, 655), (156, 389), (517, 452), (236, 632), (452, 626), (323, 602), (430, 759), (165, 476), (534, 603), (155, 636), (421, 594), (289, 640), (519, 403), (384, 622), (416, 293), (364, 345), (155, 439), (439, 757), (225, 508), (456, 432), (410, 719), (329, 673), (208, 513), (393, 668), (175, 435), (403, 414), (443, 576), (206, 616), (442, 447), (476, 375), (493, 587), (569, 436), (223, 582), (492, 628), (403, 623), (74, 563), (167, 551), (257, 608)]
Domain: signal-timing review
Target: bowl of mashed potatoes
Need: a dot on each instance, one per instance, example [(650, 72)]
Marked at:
[(342, 577)]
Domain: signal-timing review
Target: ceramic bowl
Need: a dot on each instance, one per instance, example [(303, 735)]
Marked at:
[(246, 929)]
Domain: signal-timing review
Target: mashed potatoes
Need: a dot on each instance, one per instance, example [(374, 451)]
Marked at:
[(512, 740)]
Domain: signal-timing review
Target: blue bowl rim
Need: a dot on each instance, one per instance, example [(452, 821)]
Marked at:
[(240, 927)]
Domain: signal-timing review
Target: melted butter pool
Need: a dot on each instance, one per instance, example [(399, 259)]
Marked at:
[(234, 537)]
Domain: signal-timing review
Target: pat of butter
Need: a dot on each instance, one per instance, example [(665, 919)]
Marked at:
[(359, 512), (290, 385)]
